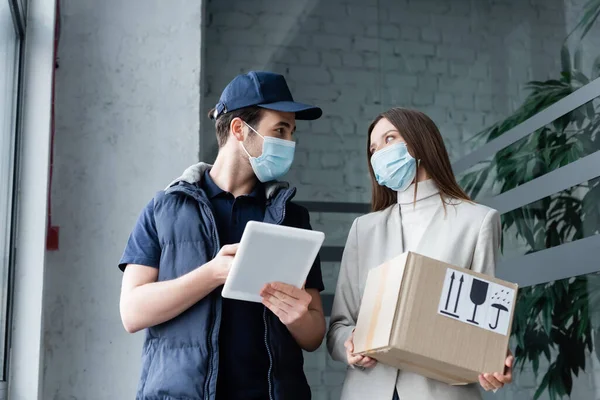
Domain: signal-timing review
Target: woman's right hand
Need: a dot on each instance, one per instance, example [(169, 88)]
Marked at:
[(356, 360)]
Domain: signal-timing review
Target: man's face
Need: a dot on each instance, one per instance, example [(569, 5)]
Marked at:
[(280, 125)]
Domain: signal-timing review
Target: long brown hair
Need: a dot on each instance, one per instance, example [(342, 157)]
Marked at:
[(424, 143)]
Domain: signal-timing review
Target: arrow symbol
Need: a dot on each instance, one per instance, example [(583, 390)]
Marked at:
[(450, 291), (462, 279), (445, 310)]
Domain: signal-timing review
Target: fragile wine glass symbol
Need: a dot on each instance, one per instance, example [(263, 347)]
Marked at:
[(478, 295)]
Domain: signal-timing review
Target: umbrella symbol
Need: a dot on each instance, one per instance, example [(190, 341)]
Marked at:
[(499, 307)]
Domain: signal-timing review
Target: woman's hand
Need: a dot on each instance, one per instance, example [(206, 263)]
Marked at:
[(497, 380), (356, 360)]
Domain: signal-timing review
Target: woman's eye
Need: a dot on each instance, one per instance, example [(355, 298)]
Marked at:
[(389, 139)]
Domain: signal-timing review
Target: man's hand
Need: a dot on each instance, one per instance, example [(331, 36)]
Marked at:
[(145, 302), (221, 264), (300, 310), (289, 303), (497, 380)]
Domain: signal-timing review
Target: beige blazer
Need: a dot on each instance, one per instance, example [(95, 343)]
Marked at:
[(466, 235)]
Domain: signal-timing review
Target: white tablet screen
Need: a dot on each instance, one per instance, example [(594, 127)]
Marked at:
[(271, 253)]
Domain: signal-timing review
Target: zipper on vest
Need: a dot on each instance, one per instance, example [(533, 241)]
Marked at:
[(269, 379), (270, 372), (212, 311), (210, 351), (215, 238)]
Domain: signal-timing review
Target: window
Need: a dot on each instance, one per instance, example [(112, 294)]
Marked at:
[(11, 36)]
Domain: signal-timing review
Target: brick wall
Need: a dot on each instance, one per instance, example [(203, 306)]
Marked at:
[(462, 62), (324, 375)]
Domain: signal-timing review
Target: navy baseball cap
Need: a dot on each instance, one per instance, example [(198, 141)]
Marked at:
[(263, 89)]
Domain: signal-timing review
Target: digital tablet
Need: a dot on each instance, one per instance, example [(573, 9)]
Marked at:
[(271, 253)]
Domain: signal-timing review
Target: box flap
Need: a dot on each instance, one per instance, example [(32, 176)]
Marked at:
[(379, 304)]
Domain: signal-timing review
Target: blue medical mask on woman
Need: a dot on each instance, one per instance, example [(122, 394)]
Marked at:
[(276, 158), (394, 167)]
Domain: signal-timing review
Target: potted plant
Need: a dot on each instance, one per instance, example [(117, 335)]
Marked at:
[(552, 320)]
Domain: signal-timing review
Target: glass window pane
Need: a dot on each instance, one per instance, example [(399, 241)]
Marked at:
[(8, 96)]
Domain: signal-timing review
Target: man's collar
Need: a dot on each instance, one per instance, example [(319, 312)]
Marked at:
[(193, 174), (209, 186), (213, 190)]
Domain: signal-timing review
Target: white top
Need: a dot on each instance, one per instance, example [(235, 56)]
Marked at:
[(416, 216)]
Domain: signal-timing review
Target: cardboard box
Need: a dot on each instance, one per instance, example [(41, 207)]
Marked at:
[(440, 321)]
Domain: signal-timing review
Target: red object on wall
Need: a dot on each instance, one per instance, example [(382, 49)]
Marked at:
[(52, 231)]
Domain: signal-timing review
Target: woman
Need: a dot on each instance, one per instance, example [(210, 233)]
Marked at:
[(417, 206)]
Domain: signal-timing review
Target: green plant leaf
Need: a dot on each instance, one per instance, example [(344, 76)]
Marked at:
[(543, 385), (597, 342), (577, 63), (583, 327), (547, 353), (567, 384), (547, 317), (565, 58), (595, 69), (535, 362), (591, 13), (591, 210), (581, 78), (592, 19), (552, 320)]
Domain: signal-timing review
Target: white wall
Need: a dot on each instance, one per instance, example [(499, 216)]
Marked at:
[(127, 123), (26, 355)]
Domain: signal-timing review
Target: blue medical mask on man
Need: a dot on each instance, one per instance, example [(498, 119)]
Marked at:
[(276, 158), (394, 167)]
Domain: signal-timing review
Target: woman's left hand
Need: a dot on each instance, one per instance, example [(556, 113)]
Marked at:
[(497, 380)]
